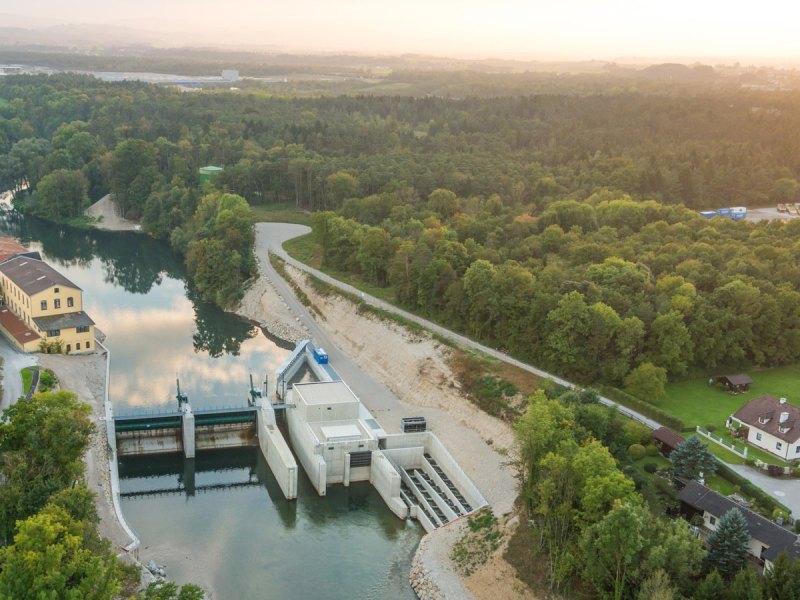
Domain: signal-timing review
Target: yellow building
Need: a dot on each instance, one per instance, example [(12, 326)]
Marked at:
[(42, 304)]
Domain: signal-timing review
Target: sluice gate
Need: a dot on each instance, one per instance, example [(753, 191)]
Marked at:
[(333, 435)]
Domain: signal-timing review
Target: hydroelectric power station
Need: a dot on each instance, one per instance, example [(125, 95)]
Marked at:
[(332, 435)]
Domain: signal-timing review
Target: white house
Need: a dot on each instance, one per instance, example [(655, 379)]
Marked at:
[(773, 424)]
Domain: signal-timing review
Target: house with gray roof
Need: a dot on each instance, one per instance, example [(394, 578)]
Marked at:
[(767, 538)]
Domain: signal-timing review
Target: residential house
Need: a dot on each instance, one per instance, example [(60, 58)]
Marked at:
[(40, 303), (773, 424), (767, 539), (666, 440)]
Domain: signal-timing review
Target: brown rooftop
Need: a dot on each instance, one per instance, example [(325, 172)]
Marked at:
[(669, 437), (10, 247), (33, 276), (741, 379), (769, 408), (16, 328)]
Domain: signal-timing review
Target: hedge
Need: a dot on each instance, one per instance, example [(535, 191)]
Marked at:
[(640, 406)]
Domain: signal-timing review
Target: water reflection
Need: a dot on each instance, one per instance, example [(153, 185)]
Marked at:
[(248, 544), (157, 327)]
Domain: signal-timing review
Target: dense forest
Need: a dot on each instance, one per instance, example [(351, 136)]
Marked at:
[(551, 225)]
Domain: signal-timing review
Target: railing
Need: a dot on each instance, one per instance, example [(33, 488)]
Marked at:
[(722, 442)]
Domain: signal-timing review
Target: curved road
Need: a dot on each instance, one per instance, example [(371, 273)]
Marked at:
[(271, 237)]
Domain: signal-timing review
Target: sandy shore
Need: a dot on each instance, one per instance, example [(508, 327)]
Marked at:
[(108, 216), (264, 305)]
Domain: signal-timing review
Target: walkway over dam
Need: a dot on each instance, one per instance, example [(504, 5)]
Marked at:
[(332, 434)]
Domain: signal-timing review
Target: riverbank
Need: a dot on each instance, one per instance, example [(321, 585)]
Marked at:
[(85, 376)]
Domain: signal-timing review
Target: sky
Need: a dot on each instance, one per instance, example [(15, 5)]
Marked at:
[(534, 29)]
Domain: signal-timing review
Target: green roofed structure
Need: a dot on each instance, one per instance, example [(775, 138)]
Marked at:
[(206, 173)]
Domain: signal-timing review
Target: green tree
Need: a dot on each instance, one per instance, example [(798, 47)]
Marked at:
[(62, 194), (168, 590), (612, 548), (690, 458), (41, 444), (673, 548), (647, 382), (132, 169), (711, 588), (745, 586), (48, 560), (657, 586), (783, 579), (728, 544), (340, 186)]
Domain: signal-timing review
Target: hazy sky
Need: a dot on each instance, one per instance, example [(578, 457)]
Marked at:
[(600, 29)]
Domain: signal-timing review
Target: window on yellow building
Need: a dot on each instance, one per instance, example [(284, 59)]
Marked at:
[(44, 304), (84, 329), (53, 332), (78, 346), (69, 302), (57, 303)]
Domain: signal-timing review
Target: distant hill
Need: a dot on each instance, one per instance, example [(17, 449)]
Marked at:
[(678, 72)]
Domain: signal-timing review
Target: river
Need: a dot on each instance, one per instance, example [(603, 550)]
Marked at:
[(219, 520)]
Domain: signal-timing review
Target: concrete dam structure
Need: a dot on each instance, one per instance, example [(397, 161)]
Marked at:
[(332, 434)]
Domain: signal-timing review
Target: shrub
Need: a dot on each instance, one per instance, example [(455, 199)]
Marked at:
[(796, 472), (636, 451), (774, 471), (47, 380), (651, 450), (711, 428), (651, 467)]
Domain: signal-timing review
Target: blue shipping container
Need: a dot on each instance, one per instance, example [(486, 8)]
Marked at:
[(321, 356)]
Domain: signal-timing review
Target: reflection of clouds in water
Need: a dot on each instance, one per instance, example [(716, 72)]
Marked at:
[(150, 347)]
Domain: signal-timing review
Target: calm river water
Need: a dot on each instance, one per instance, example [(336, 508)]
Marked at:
[(221, 519)]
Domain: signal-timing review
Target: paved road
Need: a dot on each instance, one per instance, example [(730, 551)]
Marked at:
[(13, 362), (785, 491), (275, 234), (376, 397)]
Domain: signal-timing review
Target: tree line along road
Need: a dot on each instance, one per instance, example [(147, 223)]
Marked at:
[(276, 234)]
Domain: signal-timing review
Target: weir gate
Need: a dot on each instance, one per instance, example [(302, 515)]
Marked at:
[(333, 436)]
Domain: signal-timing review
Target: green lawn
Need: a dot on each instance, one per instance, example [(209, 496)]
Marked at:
[(281, 213), (27, 377), (697, 403)]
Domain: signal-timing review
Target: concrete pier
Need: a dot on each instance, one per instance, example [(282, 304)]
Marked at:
[(188, 431), (275, 449)]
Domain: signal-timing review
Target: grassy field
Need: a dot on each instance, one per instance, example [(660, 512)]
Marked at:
[(281, 213), (27, 377), (697, 403)]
